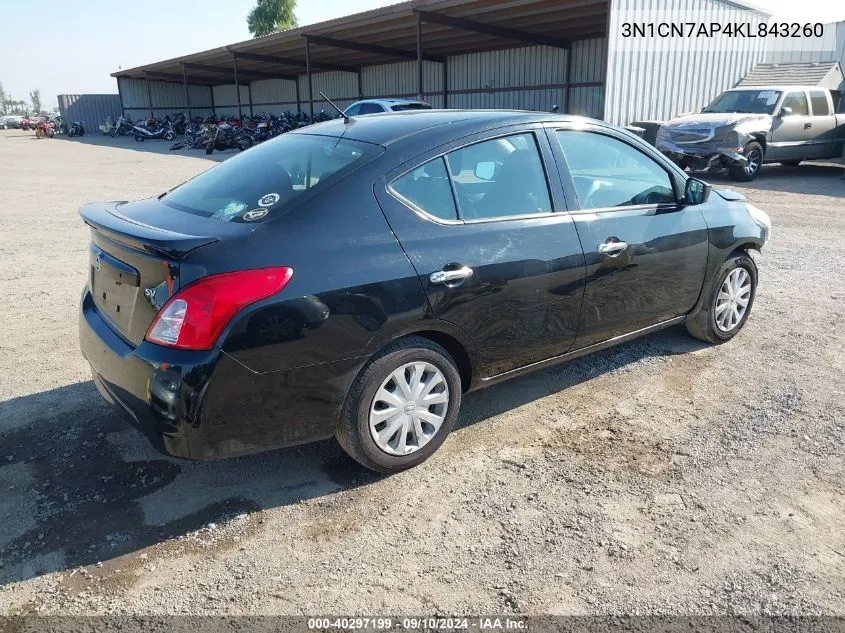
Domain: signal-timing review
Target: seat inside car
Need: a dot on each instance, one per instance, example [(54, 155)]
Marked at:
[(519, 188)]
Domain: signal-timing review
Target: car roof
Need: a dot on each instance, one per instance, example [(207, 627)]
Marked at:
[(389, 100), (438, 126), (782, 88)]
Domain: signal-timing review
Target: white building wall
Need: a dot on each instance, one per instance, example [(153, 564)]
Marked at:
[(648, 84)]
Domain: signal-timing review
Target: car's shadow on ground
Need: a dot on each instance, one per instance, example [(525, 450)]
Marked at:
[(810, 178), (81, 486)]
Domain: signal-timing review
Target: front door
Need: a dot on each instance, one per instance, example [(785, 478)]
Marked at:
[(645, 254), (792, 133), (494, 248)]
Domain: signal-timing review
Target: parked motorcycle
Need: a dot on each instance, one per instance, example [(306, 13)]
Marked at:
[(76, 129), (122, 126), (154, 130)]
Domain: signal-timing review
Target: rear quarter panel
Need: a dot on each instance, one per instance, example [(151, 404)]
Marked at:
[(352, 282)]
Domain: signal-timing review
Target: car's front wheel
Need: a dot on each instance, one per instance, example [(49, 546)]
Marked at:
[(753, 153), (728, 301), (402, 406)]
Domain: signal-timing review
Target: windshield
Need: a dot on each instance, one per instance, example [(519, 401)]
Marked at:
[(410, 106), (256, 184), (750, 101)]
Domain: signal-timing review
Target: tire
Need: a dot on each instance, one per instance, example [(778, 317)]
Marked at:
[(81, 131), (139, 138), (790, 163), (704, 322), (209, 147), (354, 431), (114, 132), (170, 136), (746, 173)]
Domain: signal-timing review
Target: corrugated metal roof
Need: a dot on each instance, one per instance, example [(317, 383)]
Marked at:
[(795, 74), (394, 27)]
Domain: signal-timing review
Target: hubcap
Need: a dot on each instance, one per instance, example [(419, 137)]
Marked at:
[(753, 163), (732, 300), (409, 408)]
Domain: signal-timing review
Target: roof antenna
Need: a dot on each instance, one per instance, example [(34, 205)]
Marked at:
[(332, 104)]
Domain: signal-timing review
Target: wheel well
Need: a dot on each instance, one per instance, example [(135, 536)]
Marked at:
[(761, 138), (456, 350), (743, 249)]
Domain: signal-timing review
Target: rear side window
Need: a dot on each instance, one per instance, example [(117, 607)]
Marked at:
[(797, 101), (428, 188), (410, 106), (818, 99), (258, 183), (370, 108), (499, 178), (610, 173)]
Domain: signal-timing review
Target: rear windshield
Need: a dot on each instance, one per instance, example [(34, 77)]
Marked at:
[(410, 106), (257, 184)]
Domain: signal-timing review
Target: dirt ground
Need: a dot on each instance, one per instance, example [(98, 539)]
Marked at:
[(662, 476)]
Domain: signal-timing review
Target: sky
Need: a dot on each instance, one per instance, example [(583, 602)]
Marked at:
[(76, 50)]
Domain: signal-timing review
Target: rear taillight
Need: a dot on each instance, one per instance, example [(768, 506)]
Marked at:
[(195, 316)]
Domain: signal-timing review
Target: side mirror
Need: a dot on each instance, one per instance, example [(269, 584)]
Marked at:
[(696, 191), (786, 111), (485, 170)]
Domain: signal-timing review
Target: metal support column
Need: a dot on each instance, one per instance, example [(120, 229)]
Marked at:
[(446, 84), (298, 100), (237, 85), (187, 92), (419, 58), (566, 94), (120, 96), (360, 86), (310, 84), (249, 96), (149, 95)]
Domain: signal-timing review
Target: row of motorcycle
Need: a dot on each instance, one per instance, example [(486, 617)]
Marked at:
[(212, 132)]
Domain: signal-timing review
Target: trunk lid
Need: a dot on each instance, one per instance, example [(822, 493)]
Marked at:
[(134, 260)]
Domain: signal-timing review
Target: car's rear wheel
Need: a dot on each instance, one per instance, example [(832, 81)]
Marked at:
[(753, 153), (401, 407), (728, 302)]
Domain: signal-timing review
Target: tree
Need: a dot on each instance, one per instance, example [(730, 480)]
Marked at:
[(3, 97), (35, 97), (270, 16)]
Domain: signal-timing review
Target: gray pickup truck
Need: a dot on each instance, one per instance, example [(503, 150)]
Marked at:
[(746, 127)]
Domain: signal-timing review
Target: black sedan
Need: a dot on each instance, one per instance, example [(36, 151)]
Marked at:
[(354, 279)]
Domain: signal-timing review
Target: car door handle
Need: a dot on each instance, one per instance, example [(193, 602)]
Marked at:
[(612, 248), (445, 276), (807, 126)]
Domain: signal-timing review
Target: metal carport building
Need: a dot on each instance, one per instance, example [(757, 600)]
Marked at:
[(523, 54)]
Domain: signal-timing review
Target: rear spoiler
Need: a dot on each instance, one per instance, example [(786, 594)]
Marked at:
[(108, 221)]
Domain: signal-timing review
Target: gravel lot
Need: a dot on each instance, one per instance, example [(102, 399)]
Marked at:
[(661, 476)]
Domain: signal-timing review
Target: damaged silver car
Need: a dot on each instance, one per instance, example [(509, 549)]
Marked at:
[(744, 128)]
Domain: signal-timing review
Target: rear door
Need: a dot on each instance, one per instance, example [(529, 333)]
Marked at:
[(824, 125), (646, 255), (488, 234)]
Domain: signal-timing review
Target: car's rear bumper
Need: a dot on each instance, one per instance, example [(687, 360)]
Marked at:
[(205, 404)]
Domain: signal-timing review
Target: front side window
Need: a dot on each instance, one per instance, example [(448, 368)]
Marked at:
[(499, 178), (268, 176), (819, 100), (610, 173), (797, 101)]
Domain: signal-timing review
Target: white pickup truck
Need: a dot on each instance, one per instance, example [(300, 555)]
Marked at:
[(744, 128)]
